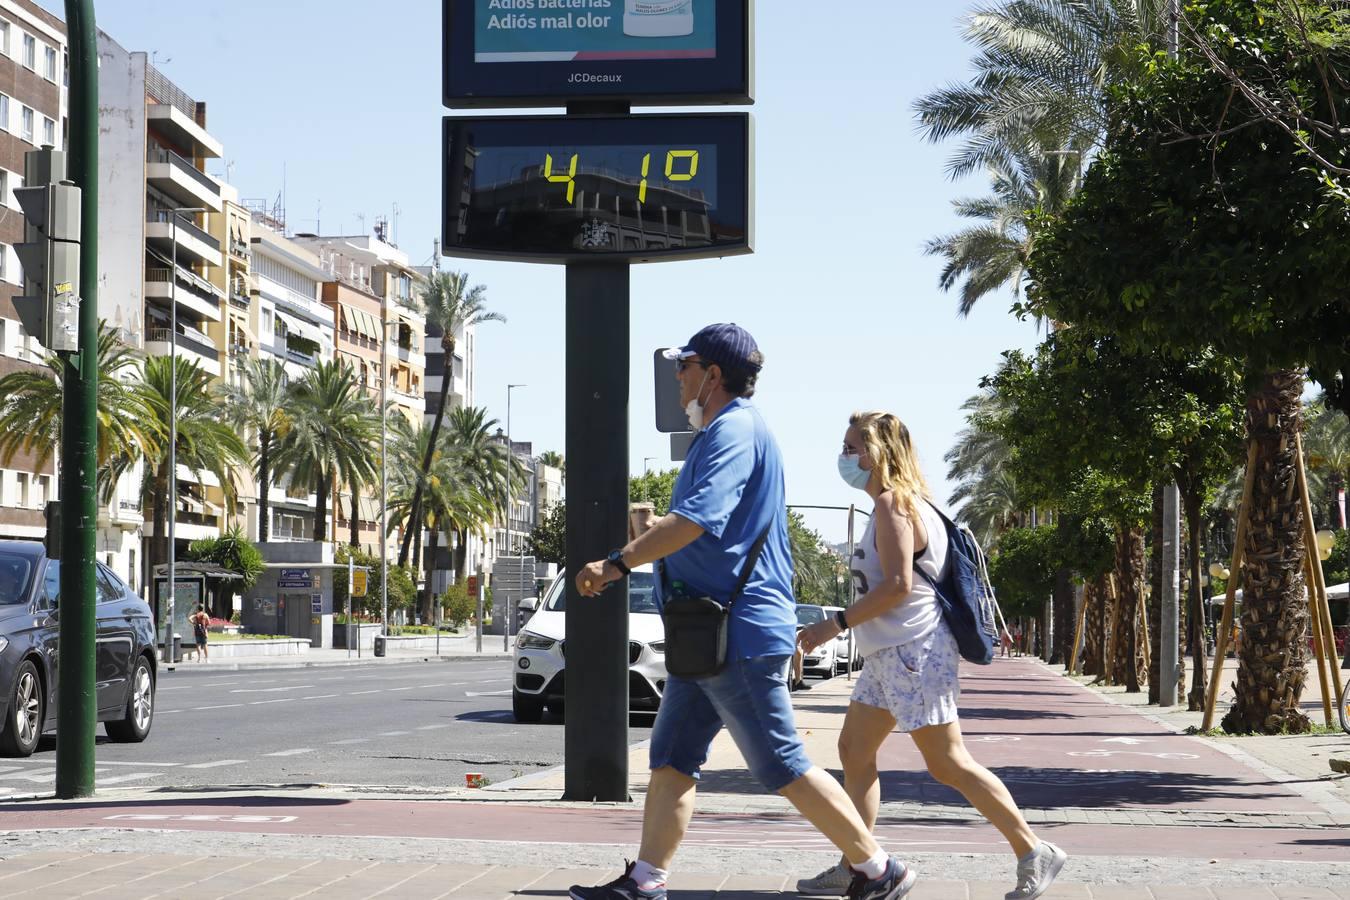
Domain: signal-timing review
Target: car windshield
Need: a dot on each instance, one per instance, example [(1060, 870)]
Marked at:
[(810, 615), (15, 574), (641, 594)]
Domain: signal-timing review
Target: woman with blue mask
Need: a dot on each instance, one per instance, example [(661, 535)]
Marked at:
[(909, 678)]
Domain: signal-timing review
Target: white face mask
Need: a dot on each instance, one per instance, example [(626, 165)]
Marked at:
[(694, 408)]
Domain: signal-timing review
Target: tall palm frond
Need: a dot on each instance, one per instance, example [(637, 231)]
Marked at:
[(258, 406), (30, 413)]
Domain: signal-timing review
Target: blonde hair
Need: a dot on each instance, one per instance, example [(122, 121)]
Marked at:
[(888, 445)]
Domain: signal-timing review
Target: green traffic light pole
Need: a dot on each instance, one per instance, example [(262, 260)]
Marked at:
[(77, 706)]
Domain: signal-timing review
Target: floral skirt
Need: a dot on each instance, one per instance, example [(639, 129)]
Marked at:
[(918, 682)]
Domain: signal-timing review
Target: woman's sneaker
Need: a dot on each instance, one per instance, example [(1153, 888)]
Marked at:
[(621, 888), (897, 881), (1037, 871), (833, 882)]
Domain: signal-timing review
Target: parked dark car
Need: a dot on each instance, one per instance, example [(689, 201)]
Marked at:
[(29, 625)]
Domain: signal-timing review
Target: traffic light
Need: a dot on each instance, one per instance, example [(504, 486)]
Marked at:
[(50, 254)]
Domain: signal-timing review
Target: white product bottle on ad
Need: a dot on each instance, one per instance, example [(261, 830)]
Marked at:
[(658, 18)]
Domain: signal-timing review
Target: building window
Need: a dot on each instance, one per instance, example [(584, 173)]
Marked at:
[(23, 490), (30, 51), (4, 112), (4, 189), (4, 259), (4, 37), (48, 132), (49, 63), (26, 131)]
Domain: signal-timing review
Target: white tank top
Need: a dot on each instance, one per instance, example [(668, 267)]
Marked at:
[(919, 614)]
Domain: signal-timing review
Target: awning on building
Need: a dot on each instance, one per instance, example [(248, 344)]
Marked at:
[(360, 321), (240, 320), (307, 330)]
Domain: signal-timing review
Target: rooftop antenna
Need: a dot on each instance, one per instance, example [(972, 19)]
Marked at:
[(396, 212), (361, 217), (154, 59)]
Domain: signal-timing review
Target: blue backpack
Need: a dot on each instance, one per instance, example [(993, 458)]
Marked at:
[(967, 598)]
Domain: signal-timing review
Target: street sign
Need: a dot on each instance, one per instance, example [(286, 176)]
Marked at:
[(471, 586), (500, 53), (294, 578), (598, 189), (50, 252), (360, 577)]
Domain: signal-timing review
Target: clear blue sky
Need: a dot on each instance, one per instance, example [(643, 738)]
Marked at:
[(346, 102)]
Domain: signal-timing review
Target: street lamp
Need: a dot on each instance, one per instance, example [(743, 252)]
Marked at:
[(384, 468), (174, 213), (510, 472), (645, 461)]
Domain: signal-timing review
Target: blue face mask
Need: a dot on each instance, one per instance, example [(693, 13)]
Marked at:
[(854, 475)]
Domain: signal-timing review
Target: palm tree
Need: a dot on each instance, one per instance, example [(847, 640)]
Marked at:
[(1326, 443), (555, 459), (30, 413), (259, 406), (493, 470), (978, 463), (333, 432), (450, 305), (205, 442), (992, 254), (1043, 69)]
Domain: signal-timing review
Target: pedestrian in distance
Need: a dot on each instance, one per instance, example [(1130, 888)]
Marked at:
[(728, 517), (200, 621), (909, 677)]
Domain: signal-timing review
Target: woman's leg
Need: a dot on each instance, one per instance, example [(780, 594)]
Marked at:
[(865, 728), (949, 762)]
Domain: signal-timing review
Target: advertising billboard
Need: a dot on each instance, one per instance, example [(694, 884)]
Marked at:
[(549, 52)]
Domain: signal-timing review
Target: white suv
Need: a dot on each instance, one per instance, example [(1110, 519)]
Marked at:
[(539, 658)]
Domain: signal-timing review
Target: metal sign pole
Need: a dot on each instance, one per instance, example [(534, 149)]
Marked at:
[(351, 586), (597, 384), (478, 597)]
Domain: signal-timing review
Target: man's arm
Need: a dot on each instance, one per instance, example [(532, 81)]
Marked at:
[(669, 534)]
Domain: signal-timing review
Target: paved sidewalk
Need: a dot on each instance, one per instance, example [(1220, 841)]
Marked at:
[(1146, 813)]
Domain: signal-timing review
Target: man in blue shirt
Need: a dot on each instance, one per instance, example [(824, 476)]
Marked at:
[(730, 492)]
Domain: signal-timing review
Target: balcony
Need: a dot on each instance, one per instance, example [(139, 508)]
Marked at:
[(197, 296), (182, 128), (192, 242), (191, 344), (239, 293), (180, 179)]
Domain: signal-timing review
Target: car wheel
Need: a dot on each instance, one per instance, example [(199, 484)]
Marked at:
[(23, 726), (134, 726), (526, 708)]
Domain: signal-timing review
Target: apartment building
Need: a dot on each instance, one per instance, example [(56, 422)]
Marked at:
[(297, 329), (161, 284), (33, 112)]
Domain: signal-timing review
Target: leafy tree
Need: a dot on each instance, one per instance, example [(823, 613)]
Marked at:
[(654, 487), (402, 590), (458, 605), (30, 412), (234, 551), (1326, 449), (1022, 570), (548, 540), (450, 305), (258, 405), (816, 569), (1205, 223)]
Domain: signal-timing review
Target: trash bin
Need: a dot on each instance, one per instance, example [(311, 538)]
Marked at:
[(379, 645)]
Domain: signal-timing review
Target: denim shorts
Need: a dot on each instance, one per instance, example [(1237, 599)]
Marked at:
[(749, 696), (918, 682)]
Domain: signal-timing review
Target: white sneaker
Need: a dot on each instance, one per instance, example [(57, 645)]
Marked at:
[(1037, 871), (833, 882)]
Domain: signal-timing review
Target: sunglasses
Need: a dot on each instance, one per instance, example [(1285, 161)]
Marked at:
[(682, 364)]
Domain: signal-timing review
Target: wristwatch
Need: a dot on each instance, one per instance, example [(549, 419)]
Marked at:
[(615, 559), (841, 620)]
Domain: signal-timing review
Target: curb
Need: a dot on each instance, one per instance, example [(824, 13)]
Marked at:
[(284, 663)]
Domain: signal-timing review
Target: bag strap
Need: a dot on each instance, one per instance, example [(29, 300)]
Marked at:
[(750, 562)]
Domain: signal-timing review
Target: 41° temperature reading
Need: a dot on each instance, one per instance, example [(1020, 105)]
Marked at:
[(681, 165)]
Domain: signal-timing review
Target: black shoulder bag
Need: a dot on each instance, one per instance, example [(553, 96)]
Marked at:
[(696, 627)]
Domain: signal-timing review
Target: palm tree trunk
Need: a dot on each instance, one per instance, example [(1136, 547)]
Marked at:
[(158, 489), (461, 554), (416, 508), (429, 593), (264, 485), (1063, 616), (1094, 642), (321, 490), (1273, 656), (355, 517), (1129, 574)]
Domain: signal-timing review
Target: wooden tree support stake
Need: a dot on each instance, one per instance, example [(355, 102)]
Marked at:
[(1226, 623), (1324, 642), (1078, 635), (1143, 628), (1113, 620)]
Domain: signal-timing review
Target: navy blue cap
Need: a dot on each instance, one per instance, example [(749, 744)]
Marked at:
[(727, 344)]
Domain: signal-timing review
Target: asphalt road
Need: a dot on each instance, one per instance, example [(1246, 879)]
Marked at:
[(423, 724)]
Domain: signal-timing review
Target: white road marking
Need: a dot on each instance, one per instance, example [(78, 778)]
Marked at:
[(221, 706), (112, 763), (216, 764), (280, 700), (392, 733), (359, 693), (120, 779), (292, 687), (433, 727), (411, 687), (295, 752), (486, 693), (350, 741), (197, 817), (318, 696), (1125, 740)]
